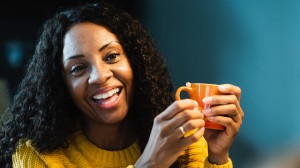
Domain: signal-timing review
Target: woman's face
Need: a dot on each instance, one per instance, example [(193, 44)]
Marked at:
[(98, 75)]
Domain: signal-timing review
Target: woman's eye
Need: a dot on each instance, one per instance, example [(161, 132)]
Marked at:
[(77, 69), (112, 58)]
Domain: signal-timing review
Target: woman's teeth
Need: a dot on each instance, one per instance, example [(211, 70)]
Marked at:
[(107, 94)]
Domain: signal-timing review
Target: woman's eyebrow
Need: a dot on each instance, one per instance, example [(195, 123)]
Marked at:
[(106, 45), (73, 57)]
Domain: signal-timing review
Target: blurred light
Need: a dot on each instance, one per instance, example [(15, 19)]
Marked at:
[(14, 53)]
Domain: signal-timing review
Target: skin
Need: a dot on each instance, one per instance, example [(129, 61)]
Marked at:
[(166, 140), (94, 63), (226, 110)]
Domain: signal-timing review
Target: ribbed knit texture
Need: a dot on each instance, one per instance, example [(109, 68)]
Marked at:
[(209, 165), (82, 153)]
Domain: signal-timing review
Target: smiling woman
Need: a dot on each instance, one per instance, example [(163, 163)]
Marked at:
[(98, 94), (98, 74)]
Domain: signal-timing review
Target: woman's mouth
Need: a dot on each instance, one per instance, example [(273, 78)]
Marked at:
[(108, 98)]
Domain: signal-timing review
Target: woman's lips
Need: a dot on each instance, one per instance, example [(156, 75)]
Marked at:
[(109, 99), (106, 95)]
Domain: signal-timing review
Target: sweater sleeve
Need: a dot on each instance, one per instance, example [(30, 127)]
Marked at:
[(207, 164), (198, 155), (26, 157)]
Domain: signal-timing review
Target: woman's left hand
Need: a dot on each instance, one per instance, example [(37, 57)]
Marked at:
[(225, 110)]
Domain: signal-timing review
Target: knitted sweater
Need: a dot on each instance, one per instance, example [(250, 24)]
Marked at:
[(82, 153)]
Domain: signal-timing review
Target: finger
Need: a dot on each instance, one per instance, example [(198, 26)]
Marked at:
[(227, 122), (186, 116), (168, 126), (187, 141), (220, 99), (229, 110), (231, 89), (190, 127), (177, 107)]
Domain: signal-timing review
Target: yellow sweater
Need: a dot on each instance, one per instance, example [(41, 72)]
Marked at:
[(83, 154)]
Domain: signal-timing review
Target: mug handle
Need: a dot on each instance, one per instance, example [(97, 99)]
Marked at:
[(180, 89)]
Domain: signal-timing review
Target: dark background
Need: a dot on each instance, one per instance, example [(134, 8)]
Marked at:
[(252, 44), (19, 25)]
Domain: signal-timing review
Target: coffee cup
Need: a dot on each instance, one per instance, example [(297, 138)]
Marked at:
[(198, 91)]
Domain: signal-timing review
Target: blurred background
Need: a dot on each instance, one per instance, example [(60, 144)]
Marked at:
[(252, 44)]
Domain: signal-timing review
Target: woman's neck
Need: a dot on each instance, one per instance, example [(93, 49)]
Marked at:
[(110, 137)]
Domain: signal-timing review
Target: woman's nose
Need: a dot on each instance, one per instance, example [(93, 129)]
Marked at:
[(100, 73)]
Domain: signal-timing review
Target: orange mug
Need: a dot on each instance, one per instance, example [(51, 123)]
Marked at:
[(198, 91)]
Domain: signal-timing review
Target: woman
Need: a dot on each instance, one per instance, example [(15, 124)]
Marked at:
[(97, 94)]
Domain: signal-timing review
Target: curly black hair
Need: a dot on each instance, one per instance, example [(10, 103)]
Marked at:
[(37, 112)]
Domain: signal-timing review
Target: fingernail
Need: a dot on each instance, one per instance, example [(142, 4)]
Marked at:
[(210, 118), (206, 111), (223, 87), (196, 103), (196, 108), (207, 99)]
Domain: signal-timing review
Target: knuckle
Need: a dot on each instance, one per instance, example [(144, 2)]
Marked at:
[(234, 99), (202, 122), (194, 138), (186, 115), (231, 123), (242, 115), (239, 90), (164, 131), (237, 129), (178, 104), (158, 119), (232, 108), (190, 125), (241, 122)]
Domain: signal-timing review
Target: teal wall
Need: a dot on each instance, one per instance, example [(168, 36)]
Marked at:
[(253, 44)]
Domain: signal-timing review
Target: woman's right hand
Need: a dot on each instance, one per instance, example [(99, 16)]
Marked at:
[(166, 140)]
